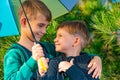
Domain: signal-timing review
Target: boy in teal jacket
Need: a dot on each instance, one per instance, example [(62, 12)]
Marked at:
[(20, 62)]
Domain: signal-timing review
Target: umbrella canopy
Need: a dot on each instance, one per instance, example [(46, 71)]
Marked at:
[(9, 15)]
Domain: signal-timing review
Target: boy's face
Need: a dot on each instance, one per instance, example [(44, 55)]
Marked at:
[(64, 41), (38, 25)]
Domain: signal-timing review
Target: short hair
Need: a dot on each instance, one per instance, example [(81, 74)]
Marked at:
[(76, 28), (32, 7)]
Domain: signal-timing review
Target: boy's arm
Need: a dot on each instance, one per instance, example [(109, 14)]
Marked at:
[(14, 69), (95, 66)]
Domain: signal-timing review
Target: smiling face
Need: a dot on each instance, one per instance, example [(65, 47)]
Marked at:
[(39, 17), (71, 38), (38, 24), (64, 41)]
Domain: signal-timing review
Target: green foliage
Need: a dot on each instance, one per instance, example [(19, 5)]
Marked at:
[(105, 27)]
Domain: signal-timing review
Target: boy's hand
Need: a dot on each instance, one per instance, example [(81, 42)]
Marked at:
[(64, 65), (96, 66), (43, 65), (37, 52)]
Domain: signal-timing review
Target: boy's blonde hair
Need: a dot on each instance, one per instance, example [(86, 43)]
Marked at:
[(32, 7), (76, 28)]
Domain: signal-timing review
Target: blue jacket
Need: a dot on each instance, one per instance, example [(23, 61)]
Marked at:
[(76, 72)]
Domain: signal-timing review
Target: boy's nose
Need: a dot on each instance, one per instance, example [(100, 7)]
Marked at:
[(55, 40), (44, 31)]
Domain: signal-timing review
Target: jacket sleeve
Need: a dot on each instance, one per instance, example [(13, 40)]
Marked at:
[(75, 73), (14, 69)]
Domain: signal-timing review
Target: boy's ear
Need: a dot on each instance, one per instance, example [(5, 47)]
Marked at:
[(23, 21), (77, 41)]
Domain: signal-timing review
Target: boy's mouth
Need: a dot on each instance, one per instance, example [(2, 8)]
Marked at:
[(39, 34), (57, 44)]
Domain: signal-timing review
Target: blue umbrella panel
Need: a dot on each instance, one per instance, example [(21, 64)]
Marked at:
[(69, 4), (8, 25)]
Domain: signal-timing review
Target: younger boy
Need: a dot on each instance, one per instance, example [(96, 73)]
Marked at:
[(71, 38)]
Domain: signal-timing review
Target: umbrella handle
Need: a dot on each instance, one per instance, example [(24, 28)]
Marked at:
[(28, 22)]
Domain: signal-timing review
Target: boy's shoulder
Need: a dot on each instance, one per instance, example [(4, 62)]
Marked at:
[(16, 50), (16, 47), (57, 59), (84, 57), (13, 47)]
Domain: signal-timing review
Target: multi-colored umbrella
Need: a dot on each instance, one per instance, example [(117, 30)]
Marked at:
[(9, 15)]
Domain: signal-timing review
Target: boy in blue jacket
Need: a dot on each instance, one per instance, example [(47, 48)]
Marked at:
[(71, 38)]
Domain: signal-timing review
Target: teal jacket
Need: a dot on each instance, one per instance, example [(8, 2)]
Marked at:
[(19, 66)]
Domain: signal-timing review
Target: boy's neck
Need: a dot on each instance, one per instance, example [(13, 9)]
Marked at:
[(75, 53), (26, 43)]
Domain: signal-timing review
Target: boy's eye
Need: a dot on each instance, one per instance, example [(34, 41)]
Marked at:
[(41, 25), (60, 35)]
